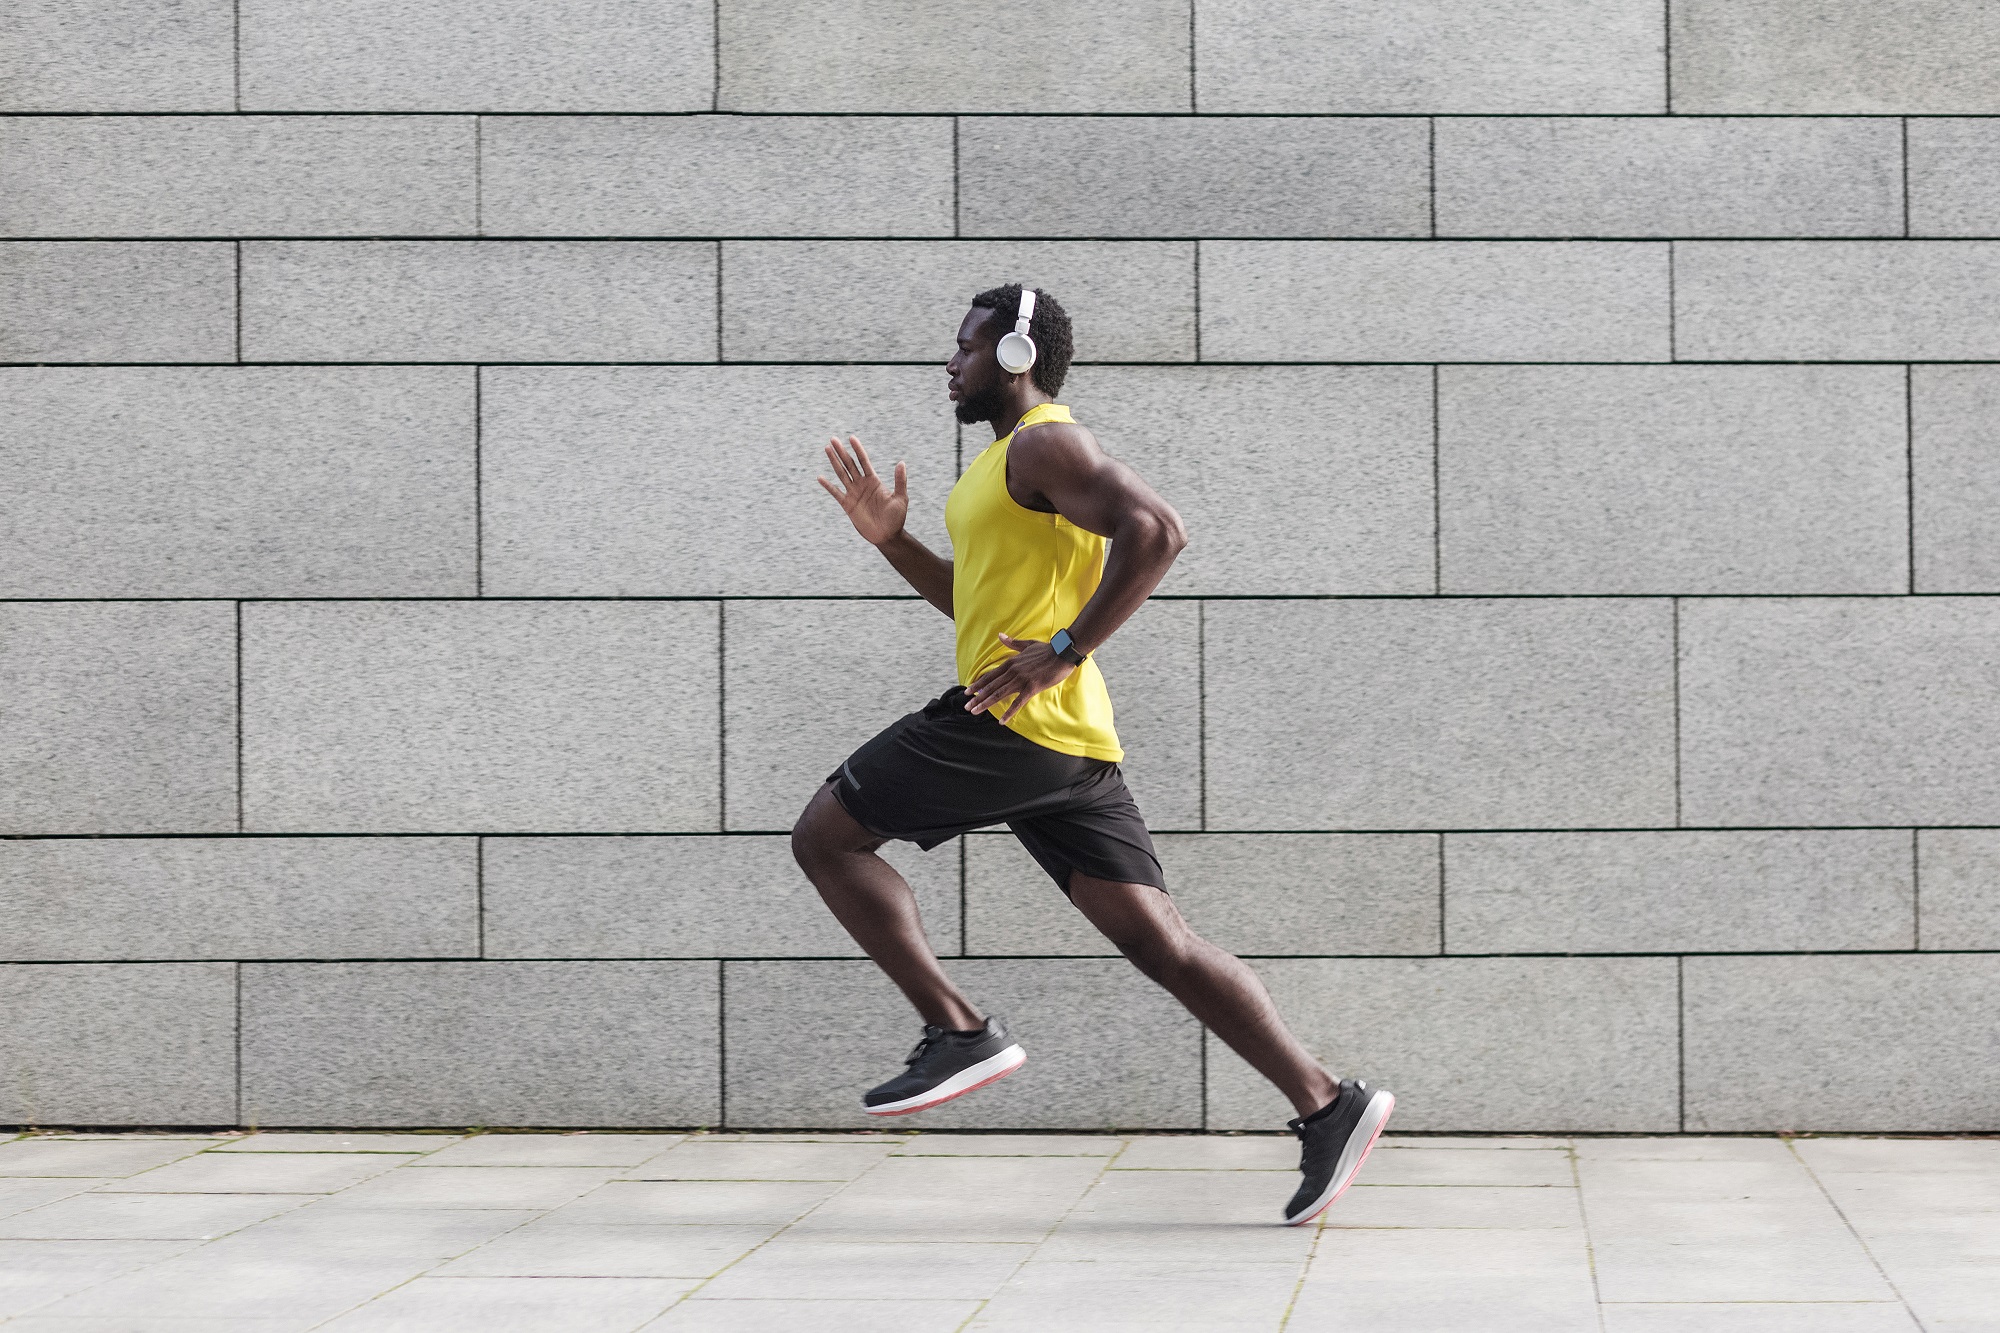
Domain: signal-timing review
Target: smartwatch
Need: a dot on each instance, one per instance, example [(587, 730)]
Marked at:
[(1065, 648)]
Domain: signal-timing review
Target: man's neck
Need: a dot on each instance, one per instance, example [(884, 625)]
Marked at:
[(1007, 422)]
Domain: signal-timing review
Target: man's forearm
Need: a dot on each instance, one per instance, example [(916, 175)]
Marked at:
[(1140, 555), (925, 570)]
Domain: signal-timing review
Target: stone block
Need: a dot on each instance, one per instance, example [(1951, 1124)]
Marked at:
[(930, 56), (1152, 667), (478, 55), (1954, 176), (1836, 300), (1106, 1047), (1956, 504), (117, 301), (263, 481), (1407, 714), (686, 897), (1958, 873), (1013, 907), (118, 55), (1353, 444), (1446, 57), (118, 1044), (1672, 479), (1258, 894), (903, 300), (1434, 301), (716, 176), (441, 716), (1875, 1043), (610, 1044), (190, 176), (635, 481), (1839, 711), (479, 301), (91, 899), (1835, 57), (806, 682), (1183, 176), (120, 717), (1678, 892), (1476, 1044), (1668, 177)]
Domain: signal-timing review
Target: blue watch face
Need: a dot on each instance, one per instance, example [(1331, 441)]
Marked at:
[(1060, 642)]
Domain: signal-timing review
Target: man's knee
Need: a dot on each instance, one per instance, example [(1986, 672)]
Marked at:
[(825, 829)]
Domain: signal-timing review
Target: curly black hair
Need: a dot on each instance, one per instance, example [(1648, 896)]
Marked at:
[(1049, 328)]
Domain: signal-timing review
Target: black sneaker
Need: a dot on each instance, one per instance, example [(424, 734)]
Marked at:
[(946, 1065), (1332, 1143)]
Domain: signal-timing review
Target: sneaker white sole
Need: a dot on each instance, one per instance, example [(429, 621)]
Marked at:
[(991, 1069), (1373, 1118)]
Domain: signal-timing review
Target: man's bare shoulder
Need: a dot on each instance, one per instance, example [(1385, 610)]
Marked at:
[(1056, 443)]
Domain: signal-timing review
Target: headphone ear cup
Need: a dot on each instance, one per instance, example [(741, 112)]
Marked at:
[(1015, 352)]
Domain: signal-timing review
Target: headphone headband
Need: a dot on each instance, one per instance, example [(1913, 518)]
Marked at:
[(1027, 314)]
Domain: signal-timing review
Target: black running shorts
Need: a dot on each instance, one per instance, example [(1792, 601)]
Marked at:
[(941, 771)]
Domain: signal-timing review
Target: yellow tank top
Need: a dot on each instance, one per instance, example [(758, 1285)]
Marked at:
[(1028, 574)]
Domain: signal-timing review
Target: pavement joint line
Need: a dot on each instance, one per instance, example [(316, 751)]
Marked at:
[(1589, 1246), (1852, 1230)]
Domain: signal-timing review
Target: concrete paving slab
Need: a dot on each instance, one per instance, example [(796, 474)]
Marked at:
[(1761, 1317), (17, 1195), (1210, 1154), (1507, 1207), (699, 1315), (1445, 1280), (35, 1272), (744, 1202), (1011, 1145), (836, 1270), (1192, 1217), (1485, 1143), (480, 1187), (955, 1199), (553, 1150), (1705, 1149), (1138, 1293), (1459, 1166), (551, 1248), (281, 1173), (93, 1157), (1730, 1231), (308, 1142), (151, 1323), (755, 1160), (95, 1216), (515, 1305)]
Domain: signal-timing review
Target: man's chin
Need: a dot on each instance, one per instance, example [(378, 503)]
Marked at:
[(968, 411)]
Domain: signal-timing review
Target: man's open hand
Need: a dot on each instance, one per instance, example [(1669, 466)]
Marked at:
[(1033, 668), (876, 511)]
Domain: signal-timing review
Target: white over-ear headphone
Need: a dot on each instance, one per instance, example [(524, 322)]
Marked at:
[(1016, 351)]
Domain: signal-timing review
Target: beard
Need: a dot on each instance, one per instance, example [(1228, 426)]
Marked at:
[(983, 405)]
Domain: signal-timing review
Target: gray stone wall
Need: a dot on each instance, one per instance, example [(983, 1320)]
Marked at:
[(420, 624)]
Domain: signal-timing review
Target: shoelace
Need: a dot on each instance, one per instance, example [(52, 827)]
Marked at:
[(932, 1036)]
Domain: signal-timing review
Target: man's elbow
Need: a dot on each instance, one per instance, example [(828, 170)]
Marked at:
[(1160, 531)]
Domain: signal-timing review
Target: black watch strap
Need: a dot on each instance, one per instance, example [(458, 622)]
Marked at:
[(1066, 649)]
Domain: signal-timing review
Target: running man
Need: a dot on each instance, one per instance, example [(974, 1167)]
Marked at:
[(1025, 738)]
